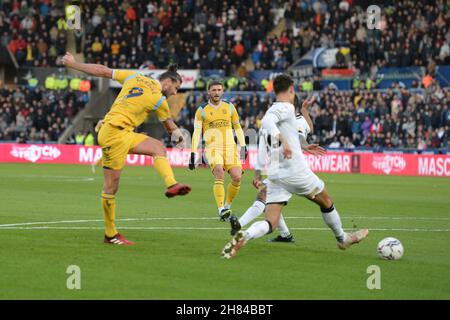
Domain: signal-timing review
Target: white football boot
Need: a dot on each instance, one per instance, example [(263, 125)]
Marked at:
[(352, 238)]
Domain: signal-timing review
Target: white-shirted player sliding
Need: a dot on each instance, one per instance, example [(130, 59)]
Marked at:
[(289, 173), (304, 127)]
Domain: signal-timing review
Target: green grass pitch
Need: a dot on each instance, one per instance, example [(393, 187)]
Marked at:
[(50, 218)]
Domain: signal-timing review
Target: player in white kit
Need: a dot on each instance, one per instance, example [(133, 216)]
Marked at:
[(288, 174), (304, 127)]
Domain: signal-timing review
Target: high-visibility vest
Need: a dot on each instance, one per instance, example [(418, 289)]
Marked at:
[(89, 140), (232, 82), (264, 83), (85, 86), (70, 12), (62, 83), (75, 83), (307, 86), (50, 83), (61, 24), (200, 84), (79, 138), (33, 82)]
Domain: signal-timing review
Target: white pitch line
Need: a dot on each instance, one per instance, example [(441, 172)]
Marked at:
[(215, 218), (379, 218), (101, 220), (210, 228)]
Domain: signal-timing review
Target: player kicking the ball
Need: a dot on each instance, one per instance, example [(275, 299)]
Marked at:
[(289, 173), (140, 95), (304, 127)]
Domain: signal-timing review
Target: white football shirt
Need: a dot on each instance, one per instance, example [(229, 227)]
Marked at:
[(280, 118)]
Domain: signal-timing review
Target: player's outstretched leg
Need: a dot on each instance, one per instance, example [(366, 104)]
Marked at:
[(252, 212), (256, 209), (333, 220), (156, 149), (256, 230)]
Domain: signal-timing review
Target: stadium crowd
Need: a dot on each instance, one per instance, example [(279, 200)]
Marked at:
[(221, 35), (347, 119), (34, 31), (37, 116), (411, 33), (196, 34)]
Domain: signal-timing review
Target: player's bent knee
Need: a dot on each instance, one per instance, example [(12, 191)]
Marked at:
[(110, 189), (150, 147), (322, 199), (236, 174), (218, 172), (236, 178)]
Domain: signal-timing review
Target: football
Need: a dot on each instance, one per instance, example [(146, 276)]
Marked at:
[(390, 249)]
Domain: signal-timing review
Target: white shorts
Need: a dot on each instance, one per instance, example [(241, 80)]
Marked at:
[(305, 184)]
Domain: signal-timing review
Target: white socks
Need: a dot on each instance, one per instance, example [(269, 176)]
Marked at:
[(252, 213), (257, 230), (261, 228), (332, 219), (283, 228), (255, 211)]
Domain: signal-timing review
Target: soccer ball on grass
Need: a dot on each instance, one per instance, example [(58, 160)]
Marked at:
[(390, 249)]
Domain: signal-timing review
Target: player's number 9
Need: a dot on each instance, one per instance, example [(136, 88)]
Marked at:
[(135, 92)]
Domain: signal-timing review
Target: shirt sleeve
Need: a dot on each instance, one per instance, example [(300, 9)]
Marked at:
[(237, 126), (269, 124), (261, 158), (303, 127), (198, 125), (198, 121), (234, 115), (122, 75), (163, 111)]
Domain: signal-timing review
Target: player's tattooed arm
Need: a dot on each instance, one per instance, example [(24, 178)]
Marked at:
[(257, 179), (97, 70)]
